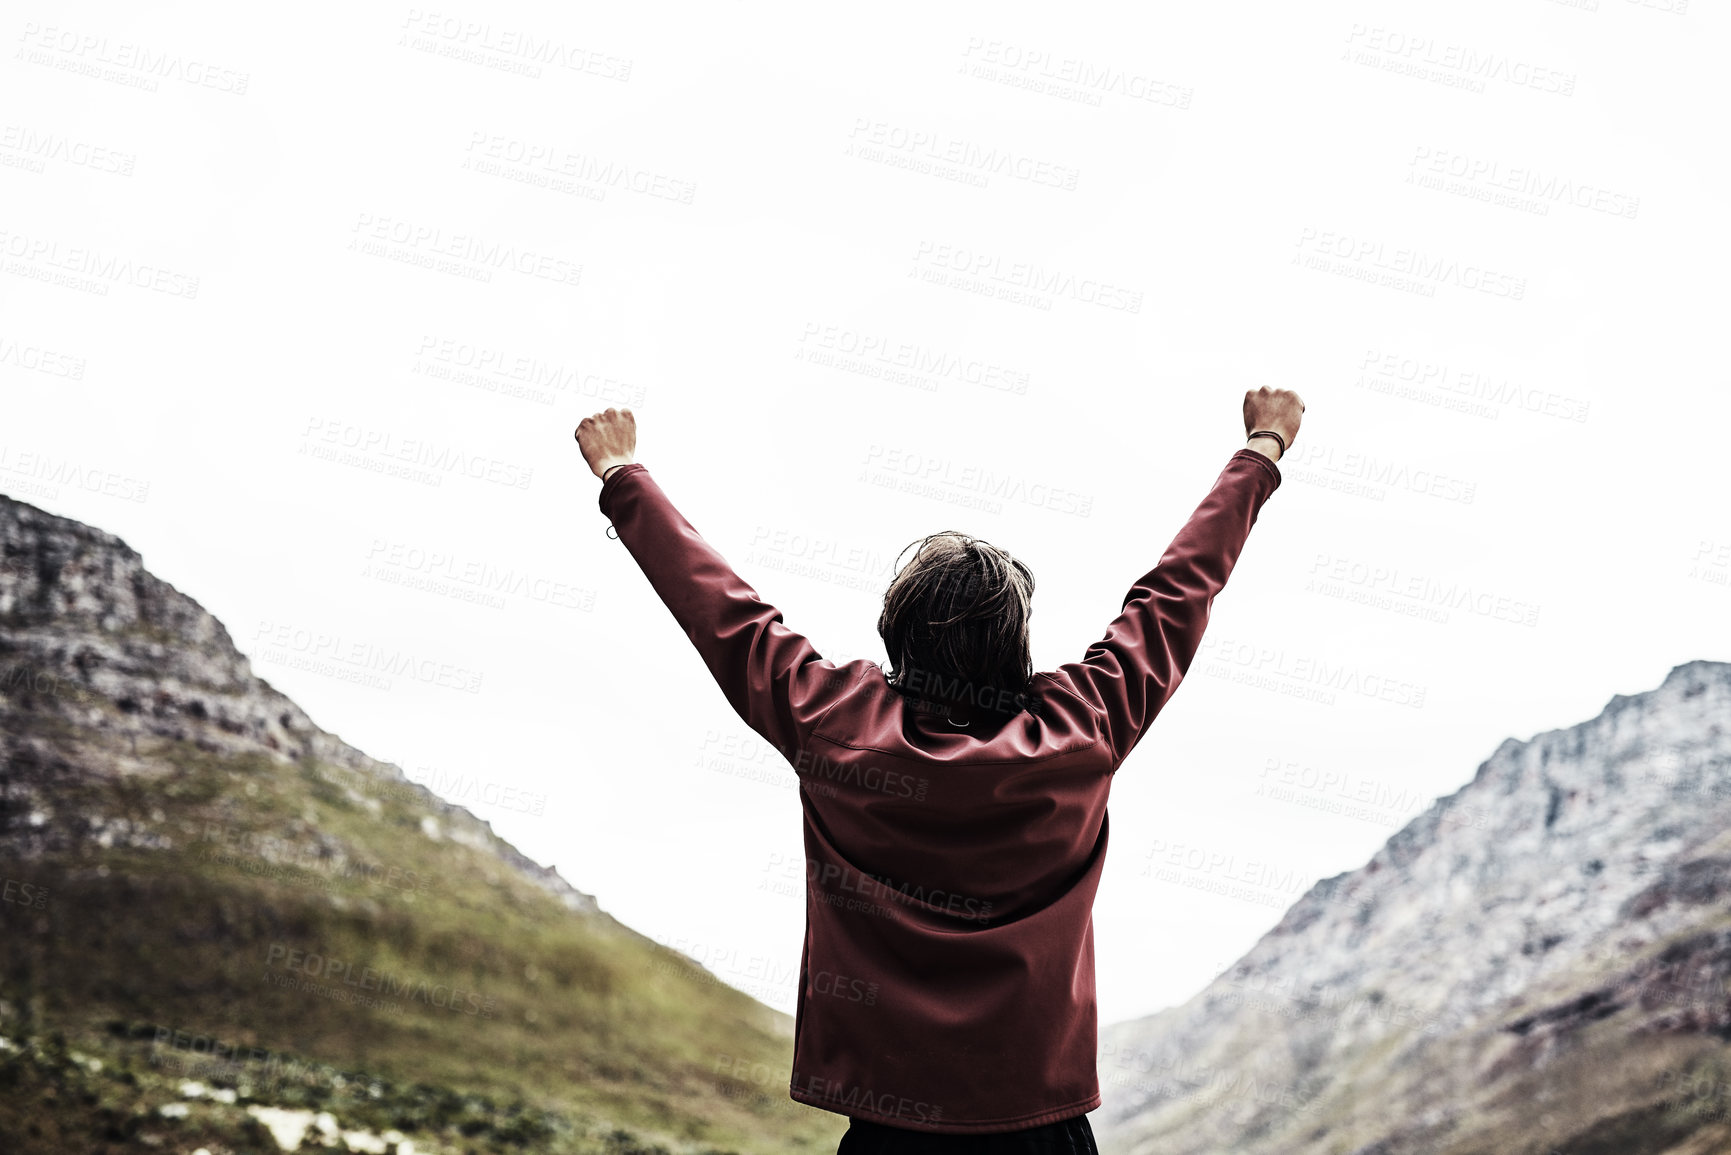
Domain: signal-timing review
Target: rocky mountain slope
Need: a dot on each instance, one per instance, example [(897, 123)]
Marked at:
[(1537, 965), (222, 923)]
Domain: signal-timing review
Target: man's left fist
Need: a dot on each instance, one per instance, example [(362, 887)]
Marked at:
[(607, 439)]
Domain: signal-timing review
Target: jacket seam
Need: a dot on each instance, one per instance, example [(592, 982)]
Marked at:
[(1049, 1114), (830, 709), (970, 761), (608, 488), (1100, 720), (1099, 714), (817, 734), (1268, 467)]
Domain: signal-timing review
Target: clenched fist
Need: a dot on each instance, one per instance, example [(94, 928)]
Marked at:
[(1278, 409), (607, 439)]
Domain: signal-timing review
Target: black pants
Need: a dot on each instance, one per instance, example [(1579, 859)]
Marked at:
[(1066, 1137)]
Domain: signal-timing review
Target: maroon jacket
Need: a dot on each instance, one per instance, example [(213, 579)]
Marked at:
[(947, 980)]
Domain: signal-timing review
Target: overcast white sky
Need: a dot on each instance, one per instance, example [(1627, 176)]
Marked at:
[(268, 277)]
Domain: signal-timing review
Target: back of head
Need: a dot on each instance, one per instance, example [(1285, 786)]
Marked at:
[(955, 624)]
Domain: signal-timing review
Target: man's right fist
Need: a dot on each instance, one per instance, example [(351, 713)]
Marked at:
[(608, 438), (1278, 409)]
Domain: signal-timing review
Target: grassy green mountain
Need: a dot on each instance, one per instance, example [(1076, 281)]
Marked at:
[(222, 925)]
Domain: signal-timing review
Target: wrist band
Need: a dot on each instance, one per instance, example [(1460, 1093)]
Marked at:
[(1273, 434), (623, 464)]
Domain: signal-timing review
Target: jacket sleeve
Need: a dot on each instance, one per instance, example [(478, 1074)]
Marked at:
[(772, 677), (1131, 673)]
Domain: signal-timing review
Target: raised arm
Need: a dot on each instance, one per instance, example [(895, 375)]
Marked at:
[(1132, 672), (772, 676)]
